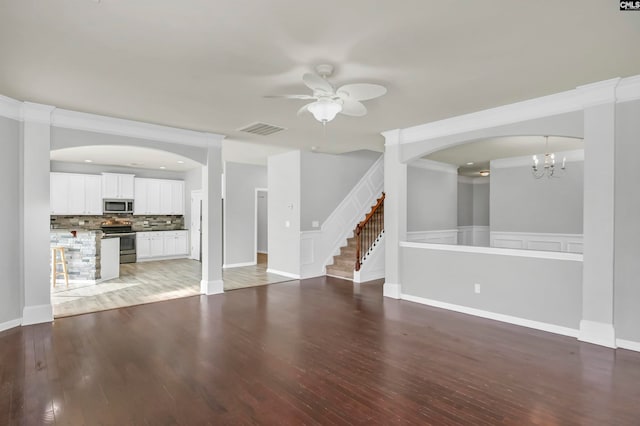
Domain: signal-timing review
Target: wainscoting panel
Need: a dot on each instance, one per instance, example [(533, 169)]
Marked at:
[(570, 243), (445, 236), (474, 235)]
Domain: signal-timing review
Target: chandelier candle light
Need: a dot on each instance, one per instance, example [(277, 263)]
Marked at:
[(549, 165)]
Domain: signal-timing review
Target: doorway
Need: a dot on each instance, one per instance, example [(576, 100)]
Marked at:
[(261, 228)]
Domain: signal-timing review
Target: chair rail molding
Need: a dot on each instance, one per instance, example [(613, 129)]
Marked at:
[(319, 246)]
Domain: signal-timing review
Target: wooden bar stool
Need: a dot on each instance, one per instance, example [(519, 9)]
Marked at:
[(54, 265)]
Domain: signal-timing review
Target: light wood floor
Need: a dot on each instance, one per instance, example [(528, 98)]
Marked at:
[(147, 282)]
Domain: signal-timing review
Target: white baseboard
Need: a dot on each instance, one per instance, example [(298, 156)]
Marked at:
[(10, 324), (284, 274), (238, 265), (628, 344), (211, 287), (151, 259), (262, 252), (598, 333), (37, 314), (391, 290), (551, 328)]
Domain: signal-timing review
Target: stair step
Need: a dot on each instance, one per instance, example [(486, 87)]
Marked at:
[(340, 272)]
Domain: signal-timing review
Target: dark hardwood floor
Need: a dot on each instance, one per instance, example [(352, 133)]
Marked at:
[(320, 351)]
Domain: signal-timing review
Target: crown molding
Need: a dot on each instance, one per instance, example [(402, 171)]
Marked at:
[(31, 112), (10, 108), (435, 166), (628, 89), (392, 137), (478, 180), (503, 163), (607, 91), (559, 103), (136, 129), (601, 92)]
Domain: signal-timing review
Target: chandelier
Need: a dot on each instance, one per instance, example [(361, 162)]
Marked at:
[(548, 167)]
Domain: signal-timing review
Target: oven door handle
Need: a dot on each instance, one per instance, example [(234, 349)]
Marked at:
[(122, 234)]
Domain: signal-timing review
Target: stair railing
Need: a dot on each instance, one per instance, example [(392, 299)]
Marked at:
[(368, 231)]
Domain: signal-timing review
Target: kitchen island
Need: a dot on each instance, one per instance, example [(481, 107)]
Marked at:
[(90, 258)]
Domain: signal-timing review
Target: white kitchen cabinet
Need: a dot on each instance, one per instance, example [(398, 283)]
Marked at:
[(93, 195), (153, 245), (169, 245), (158, 196), (182, 243), (177, 197), (157, 246), (59, 193), (117, 186), (75, 194), (143, 246)]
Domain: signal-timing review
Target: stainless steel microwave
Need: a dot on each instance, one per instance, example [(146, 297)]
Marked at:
[(117, 206)]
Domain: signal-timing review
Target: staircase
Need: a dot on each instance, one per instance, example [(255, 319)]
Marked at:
[(365, 237)]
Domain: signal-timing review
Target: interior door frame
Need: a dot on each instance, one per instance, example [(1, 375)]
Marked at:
[(255, 222), (196, 194)]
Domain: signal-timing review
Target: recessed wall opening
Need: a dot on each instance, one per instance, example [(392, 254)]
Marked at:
[(492, 193), (121, 216)]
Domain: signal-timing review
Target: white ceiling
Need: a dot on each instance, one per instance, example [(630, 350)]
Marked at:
[(206, 65), (128, 156), (481, 152)]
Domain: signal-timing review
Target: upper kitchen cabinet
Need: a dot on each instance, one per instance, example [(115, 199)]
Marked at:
[(158, 196), (75, 194), (117, 186)]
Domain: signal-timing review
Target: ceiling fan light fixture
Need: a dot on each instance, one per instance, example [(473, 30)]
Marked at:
[(325, 110)]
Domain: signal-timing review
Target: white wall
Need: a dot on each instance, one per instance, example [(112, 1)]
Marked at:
[(263, 234), (284, 213), (473, 204), (510, 285), (481, 203), (520, 203), (325, 181), (465, 204), (10, 289), (241, 181), (432, 199), (627, 222), (192, 182), (68, 138), (67, 167)]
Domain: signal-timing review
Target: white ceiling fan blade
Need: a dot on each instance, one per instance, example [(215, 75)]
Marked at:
[(353, 108), (304, 108), (317, 83), (304, 97), (361, 91)]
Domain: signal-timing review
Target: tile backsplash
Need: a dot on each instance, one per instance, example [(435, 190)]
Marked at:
[(138, 223)]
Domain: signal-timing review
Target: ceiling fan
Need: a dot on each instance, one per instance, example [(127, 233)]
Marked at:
[(329, 101)]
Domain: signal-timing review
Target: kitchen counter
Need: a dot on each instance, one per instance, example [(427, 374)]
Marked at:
[(87, 255)]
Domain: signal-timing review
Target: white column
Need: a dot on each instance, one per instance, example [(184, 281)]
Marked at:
[(395, 212), (212, 221), (35, 256), (596, 325)]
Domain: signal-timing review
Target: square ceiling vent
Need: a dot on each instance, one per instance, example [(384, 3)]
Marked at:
[(262, 129)]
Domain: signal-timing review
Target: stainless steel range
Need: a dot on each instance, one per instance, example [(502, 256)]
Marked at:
[(127, 237)]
